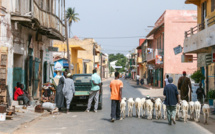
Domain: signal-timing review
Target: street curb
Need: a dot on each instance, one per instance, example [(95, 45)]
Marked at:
[(29, 121)]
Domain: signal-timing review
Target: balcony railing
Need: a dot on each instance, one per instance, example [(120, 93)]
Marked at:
[(152, 55), (208, 22), (48, 20), (44, 21)]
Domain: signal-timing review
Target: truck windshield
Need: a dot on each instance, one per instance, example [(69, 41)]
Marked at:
[(85, 79)]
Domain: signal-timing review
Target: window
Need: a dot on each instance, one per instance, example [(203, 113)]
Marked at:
[(212, 5), (159, 42)]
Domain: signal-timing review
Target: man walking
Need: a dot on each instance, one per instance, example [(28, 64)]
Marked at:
[(184, 84), (172, 98), (94, 94), (116, 95)]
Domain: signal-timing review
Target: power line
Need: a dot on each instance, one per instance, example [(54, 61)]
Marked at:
[(115, 37)]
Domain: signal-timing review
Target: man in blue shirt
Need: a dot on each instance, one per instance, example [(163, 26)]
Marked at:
[(94, 94), (172, 98)]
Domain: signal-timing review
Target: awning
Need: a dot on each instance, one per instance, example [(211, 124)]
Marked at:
[(155, 29), (196, 2), (139, 47)]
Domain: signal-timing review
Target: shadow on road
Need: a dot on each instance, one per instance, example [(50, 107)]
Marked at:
[(105, 119), (159, 122)]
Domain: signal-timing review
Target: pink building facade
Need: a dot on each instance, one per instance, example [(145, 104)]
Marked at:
[(167, 34)]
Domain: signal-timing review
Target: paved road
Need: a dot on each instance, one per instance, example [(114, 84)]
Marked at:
[(79, 122)]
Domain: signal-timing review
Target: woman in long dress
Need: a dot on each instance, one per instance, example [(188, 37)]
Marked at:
[(69, 90), (59, 99)]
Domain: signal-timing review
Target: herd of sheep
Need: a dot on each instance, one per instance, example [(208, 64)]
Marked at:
[(147, 106)]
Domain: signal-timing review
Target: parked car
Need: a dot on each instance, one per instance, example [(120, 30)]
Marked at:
[(82, 88)]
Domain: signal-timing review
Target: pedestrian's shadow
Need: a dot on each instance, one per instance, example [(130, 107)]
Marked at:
[(105, 119), (159, 122)]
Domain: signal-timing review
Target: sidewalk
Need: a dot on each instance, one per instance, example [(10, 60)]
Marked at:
[(23, 116)]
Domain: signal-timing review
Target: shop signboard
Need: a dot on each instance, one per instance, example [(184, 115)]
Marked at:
[(159, 59)]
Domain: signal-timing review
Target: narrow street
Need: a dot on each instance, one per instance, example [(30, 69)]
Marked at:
[(79, 122)]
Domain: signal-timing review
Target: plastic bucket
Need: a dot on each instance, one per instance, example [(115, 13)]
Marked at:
[(2, 116), (210, 101)]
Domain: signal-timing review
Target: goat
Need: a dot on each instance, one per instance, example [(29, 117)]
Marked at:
[(206, 112), (143, 101), (191, 107), (122, 107), (164, 112), (178, 106), (130, 107), (138, 106), (158, 104), (184, 107), (197, 107), (149, 107)]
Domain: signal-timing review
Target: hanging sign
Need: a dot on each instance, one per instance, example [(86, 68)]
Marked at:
[(177, 49), (53, 49), (159, 59)]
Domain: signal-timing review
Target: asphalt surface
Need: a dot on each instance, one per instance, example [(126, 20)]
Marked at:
[(80, 122)]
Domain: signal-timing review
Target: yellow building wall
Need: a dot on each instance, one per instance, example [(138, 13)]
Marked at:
[(74, 60), (209, 13), (80, 64)]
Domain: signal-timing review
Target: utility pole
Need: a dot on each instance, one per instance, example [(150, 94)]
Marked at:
[(94, 52), (67, 41), (101, 66)]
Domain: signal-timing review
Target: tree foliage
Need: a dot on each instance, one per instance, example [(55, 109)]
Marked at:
[(72, 17), (121, 61)]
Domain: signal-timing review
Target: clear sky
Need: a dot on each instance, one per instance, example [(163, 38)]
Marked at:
[(119, 18)]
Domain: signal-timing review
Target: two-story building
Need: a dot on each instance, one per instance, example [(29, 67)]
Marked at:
[(167, 34), (26, 33), (200, 39)]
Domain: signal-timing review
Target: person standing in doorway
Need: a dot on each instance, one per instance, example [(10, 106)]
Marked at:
[(94, 93), (116, 95), (184, 84), (138, 79), (166, 80), (172, 98)]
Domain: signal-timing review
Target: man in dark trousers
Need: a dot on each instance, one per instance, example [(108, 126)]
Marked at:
[(172, 98), (184, 84), (200, 93), (116, 86)]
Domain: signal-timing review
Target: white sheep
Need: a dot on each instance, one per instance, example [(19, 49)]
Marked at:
[(206, 112), (158, 104), (191, 107), (197, 107), (149, 107), (184, 107), (178, 106), (123, 107), (130, 107), (164, 112), (143, 100), (138, 105)]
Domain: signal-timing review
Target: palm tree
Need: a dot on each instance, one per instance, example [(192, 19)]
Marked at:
[(72, 17)]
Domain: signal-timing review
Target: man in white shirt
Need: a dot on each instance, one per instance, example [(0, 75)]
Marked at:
[(166, 80)]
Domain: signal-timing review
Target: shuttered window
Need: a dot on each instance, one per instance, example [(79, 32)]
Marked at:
[(212, 5)]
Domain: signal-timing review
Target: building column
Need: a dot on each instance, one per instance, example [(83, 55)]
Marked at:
[(59, 9), (62, 9)]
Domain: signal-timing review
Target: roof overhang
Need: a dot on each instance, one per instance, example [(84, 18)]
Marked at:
[(77, 47), (155, 30), (139, 47), (195, 2)]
